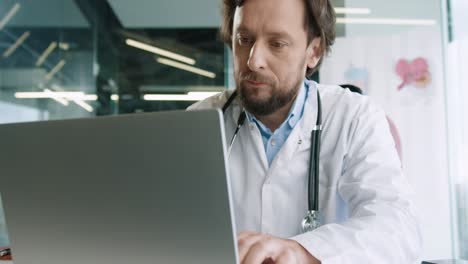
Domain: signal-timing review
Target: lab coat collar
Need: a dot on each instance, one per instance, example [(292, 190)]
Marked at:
[(309, 117)]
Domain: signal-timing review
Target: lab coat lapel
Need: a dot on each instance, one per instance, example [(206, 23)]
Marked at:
[(299, 139)]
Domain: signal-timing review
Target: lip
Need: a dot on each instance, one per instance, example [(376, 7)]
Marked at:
[(255, 83)]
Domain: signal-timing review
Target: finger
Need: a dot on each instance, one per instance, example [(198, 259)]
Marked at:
[(261, 251), (285, 257), (268, 261), (246, 234), (245, 243)]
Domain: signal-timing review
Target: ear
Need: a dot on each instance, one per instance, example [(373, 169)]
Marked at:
[(313, 54)]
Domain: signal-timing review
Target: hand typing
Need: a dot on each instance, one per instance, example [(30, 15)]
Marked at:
[(257, 248)]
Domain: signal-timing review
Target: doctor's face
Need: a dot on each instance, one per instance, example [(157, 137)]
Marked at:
[(271, 53)]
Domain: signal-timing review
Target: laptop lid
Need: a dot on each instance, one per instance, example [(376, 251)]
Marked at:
[(148, 188)]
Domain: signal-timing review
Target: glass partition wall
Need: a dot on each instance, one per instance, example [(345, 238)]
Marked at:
[(77, 59)]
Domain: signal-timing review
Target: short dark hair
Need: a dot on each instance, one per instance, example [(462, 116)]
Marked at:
[(320, 22)]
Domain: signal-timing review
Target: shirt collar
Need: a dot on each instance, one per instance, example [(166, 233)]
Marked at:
[(294, 115), (298, 107)]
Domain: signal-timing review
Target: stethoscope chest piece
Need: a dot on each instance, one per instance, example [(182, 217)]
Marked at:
[(310, 221)]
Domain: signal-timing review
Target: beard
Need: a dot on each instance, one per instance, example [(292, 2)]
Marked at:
[(279, 95)]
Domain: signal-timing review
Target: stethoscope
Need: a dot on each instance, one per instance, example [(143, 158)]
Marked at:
[(311, 220)]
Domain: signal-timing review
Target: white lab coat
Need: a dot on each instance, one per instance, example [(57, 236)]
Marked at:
[(366, 206)]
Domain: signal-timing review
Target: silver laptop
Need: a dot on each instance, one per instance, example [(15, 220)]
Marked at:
[(148, 188)]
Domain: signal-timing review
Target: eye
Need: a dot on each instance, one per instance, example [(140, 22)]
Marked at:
[(278, 44), (244, 40)]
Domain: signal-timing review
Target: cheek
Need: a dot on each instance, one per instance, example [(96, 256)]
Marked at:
[(284, 69), (288, 71), (240, 57)]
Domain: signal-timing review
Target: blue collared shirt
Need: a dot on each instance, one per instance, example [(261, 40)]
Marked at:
[(274, 141)]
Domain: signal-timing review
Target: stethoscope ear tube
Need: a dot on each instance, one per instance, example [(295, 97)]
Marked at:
[(314, 169), (311, 220), (240, 122), (313, 187), (229, 101)]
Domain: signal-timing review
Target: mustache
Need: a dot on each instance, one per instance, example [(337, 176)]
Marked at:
[(255, 77)]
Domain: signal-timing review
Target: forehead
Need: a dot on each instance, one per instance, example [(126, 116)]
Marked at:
[(271, 15)]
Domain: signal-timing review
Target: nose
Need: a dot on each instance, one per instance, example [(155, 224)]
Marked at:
[(257, 57)]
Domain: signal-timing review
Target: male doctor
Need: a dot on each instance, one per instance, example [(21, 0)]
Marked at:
[(366, 211)]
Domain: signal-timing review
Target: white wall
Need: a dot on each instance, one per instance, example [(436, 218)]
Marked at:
[(457, 112), (419, 114)]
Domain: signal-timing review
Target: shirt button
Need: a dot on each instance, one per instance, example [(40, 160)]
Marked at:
[(273, 142)]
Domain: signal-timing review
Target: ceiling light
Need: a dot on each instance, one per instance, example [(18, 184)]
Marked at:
[(88, 97), (30, 95), (9, 15), (203, 94), (191, 96), (162, 52), (56, 69), (170, 97), (83, 105), (17, 43), (186, 67), (64, 45), (46, 53), (40, 95), (352, 11), (65, 95), (55, 97), (115, 97), (386, 21)]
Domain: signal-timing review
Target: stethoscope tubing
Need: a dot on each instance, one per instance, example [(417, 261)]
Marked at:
[(314, 161)]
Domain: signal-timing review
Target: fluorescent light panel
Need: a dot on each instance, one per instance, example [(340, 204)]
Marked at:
[(39, 95), (186, 67), (88, 97), (55, 97), (17, 43), (79, 97), (191, 96), (65, 95), (61, 97), (204, 94), (9, 15), (352, 11), (64, 45), (83, 105), (56, 69), (170, 97), (46, 53), (159, 51), (386, 21)]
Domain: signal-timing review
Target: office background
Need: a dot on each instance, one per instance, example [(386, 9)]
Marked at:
[(62, 59)]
